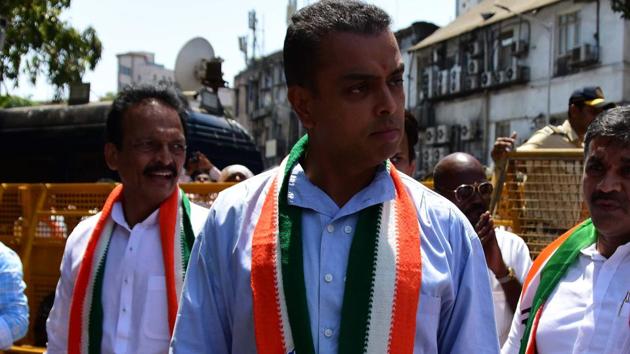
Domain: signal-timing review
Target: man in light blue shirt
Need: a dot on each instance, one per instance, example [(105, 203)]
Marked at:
[(13, 304), (344, 73)]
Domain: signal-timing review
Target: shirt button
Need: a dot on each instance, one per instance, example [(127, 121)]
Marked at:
[(328, 332), (347, 229), (330, 228), (130, 249), (124, 309), (126, 281), (328, 278)]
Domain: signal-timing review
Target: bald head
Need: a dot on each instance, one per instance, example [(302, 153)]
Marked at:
[(460, 169), (454, 169)]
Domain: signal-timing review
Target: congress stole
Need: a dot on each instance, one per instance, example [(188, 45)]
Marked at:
[(86, 309), (383, 277), (546, 272)]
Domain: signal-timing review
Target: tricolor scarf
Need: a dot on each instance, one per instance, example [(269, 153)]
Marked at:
[(86, 308), (545, 274), (382, 286)]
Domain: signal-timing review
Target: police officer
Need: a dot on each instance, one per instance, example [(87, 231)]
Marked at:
[(584, 105)]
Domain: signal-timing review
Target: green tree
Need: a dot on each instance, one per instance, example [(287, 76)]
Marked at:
[(622, 6), (39, 42), (109, 96), (15, 101)]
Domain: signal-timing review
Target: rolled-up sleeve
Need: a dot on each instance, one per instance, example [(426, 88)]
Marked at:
[(13, 303)]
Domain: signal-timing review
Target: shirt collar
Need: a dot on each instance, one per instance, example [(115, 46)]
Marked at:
[(302, 193), (118, 216), (571, 134), (592, 252)]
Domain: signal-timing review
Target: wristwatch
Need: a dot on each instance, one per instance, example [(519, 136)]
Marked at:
[(510, 275)]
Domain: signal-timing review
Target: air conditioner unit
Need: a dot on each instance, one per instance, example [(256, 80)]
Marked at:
[(443, 82), (467, 131), (473, 66), (515, 73), (427, 154), (471, 83), (442, 134), (487, 79), (455, 79), (439, 153), (429, 136), (584, 55)]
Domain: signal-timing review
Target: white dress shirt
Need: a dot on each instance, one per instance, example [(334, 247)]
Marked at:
[(134, 289), (515, 254), (589, 310)]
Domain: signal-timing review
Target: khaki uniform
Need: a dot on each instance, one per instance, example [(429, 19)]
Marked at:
[(553, 137)]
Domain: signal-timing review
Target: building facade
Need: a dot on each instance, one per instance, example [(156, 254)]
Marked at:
[(261, 106), (512, 67), (140, 68)]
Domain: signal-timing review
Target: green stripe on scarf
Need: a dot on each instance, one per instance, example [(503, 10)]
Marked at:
[(96, 314), (358, 290), (188, 237), (357, 299), (555, 269)]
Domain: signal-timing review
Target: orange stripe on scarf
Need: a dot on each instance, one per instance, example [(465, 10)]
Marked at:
[(168, 223), (267, 322), (75, 325), (543, 256), (408, 272)]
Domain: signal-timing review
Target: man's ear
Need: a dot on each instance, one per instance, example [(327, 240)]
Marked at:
[(301, 100), (111, 156)]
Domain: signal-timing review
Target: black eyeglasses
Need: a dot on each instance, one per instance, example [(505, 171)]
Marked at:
[(467, 191)]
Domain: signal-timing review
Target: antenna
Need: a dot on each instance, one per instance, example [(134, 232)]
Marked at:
[(253, 21)]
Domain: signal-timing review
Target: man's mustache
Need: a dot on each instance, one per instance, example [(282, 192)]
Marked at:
[(159, 167), (610, 196)]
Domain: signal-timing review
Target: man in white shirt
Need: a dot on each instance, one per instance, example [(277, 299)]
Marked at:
[(576, 298), (461, 178), (122, 269)]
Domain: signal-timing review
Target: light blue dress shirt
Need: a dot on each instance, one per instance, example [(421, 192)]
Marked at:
[(455, 313), (13, 304)]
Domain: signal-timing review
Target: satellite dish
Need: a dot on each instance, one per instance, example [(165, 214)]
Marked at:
[(190, 64)]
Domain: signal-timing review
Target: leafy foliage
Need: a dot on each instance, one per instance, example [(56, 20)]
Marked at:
[(15, 101), (622, 6), (39, 42)]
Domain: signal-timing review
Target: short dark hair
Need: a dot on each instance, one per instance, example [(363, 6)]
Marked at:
[(313, 23), (411, 129), (613, 123), (132, 95)]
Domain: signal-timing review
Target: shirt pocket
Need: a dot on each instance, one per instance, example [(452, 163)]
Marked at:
[(155, 314)]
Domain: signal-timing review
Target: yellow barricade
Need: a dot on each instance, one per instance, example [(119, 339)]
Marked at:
[(539, 194)]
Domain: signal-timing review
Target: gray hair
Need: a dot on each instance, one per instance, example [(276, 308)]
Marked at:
[(613, 123)]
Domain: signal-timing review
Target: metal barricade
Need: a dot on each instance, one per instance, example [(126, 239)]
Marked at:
[(539, 194)]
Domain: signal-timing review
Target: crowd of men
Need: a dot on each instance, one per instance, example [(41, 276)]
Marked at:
[(337, 250)]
